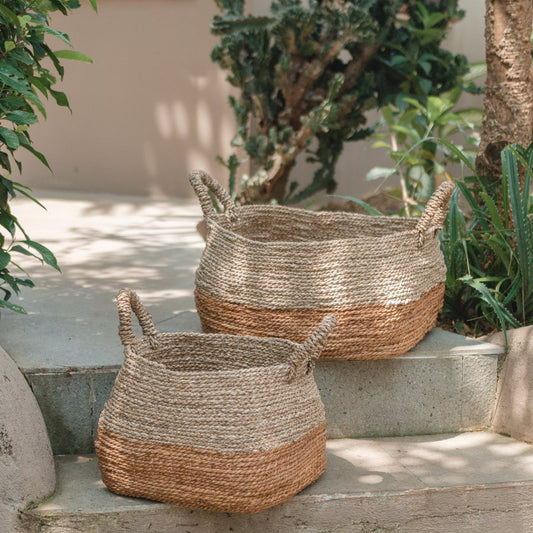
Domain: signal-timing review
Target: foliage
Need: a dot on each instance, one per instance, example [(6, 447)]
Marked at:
[(409, 131), (307, 73), (489, 257), (25, 79)]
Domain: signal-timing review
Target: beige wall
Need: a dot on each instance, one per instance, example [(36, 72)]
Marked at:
[(152, 106)]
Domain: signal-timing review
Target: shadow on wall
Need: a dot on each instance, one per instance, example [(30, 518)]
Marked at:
[(149, 109)]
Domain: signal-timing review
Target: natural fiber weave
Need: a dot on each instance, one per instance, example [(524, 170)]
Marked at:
[(217, 422), (272, 268)]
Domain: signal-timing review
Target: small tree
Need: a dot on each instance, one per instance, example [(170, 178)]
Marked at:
[(307, 74), (25, 79)]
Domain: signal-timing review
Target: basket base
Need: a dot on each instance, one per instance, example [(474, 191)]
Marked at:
[(373, 331), (247, 482)]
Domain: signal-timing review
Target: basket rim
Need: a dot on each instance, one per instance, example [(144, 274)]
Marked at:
[(284, 366), (247, 210)]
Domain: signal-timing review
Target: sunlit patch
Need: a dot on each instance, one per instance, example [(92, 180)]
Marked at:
[(181, 119), (204, 125), (163, 120), (371, 479)]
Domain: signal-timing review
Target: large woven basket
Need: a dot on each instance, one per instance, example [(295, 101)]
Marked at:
[(214, 422), (276, 270)]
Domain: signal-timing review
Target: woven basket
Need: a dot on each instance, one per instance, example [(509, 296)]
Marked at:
[(214, 422), (276, 270)]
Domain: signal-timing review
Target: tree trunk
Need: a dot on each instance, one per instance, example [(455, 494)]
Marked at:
[(508, 103)]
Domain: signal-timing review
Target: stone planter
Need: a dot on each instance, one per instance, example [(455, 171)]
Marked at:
[(513, 413)]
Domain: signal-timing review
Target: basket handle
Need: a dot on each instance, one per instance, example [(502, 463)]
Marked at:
[(436, 209), (128, 302), (202, 183), (309, 351)]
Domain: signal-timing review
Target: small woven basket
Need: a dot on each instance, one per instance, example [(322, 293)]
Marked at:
[(214, 422), (276, 270)]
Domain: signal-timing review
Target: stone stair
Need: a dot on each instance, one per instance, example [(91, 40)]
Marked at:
[(445, 384), (472, 482), (380, 477)]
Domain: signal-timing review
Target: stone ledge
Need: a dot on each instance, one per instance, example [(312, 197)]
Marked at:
[(456, 482), (447, 383)]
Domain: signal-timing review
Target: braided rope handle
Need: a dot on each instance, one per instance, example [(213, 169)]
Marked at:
[(202, 183), (128, 302), (309, 351), (436, 210)]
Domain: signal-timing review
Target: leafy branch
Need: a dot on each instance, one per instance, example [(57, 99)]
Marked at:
[(25, 81)]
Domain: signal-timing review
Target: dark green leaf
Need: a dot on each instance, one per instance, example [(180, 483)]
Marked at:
[(9, 137), (13, 307), (21, 117), (60, 98), (26, 144), (47, 256), (5, 258)]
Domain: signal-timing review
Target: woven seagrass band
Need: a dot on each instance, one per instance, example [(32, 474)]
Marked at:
[(373, 331), (209, 479)]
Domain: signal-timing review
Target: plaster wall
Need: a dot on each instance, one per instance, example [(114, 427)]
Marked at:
[(152, 106)]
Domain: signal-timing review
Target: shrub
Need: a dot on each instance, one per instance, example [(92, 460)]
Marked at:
[(307, 73), (489, 284), (25, 79), (409, 130)]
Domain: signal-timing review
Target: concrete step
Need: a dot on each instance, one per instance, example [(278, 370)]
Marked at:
[(470, 482), (445, 384), (68, 347)]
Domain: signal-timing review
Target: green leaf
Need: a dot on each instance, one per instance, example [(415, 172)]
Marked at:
[(26, 144), (23, 189), (24, 251), (415, 103), (13, 78), (21, 117), (425, 85), (72, 54), (5, 258), (524, 239), (407, 131), (13, 307), (474, 206), (381, 144), (380, 172), (503, 315), (10, 16), (493, 211), (60, 98), (460, 155), (94, 6), (10, 137), (59, 34), (48, 257), (475, 70)]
